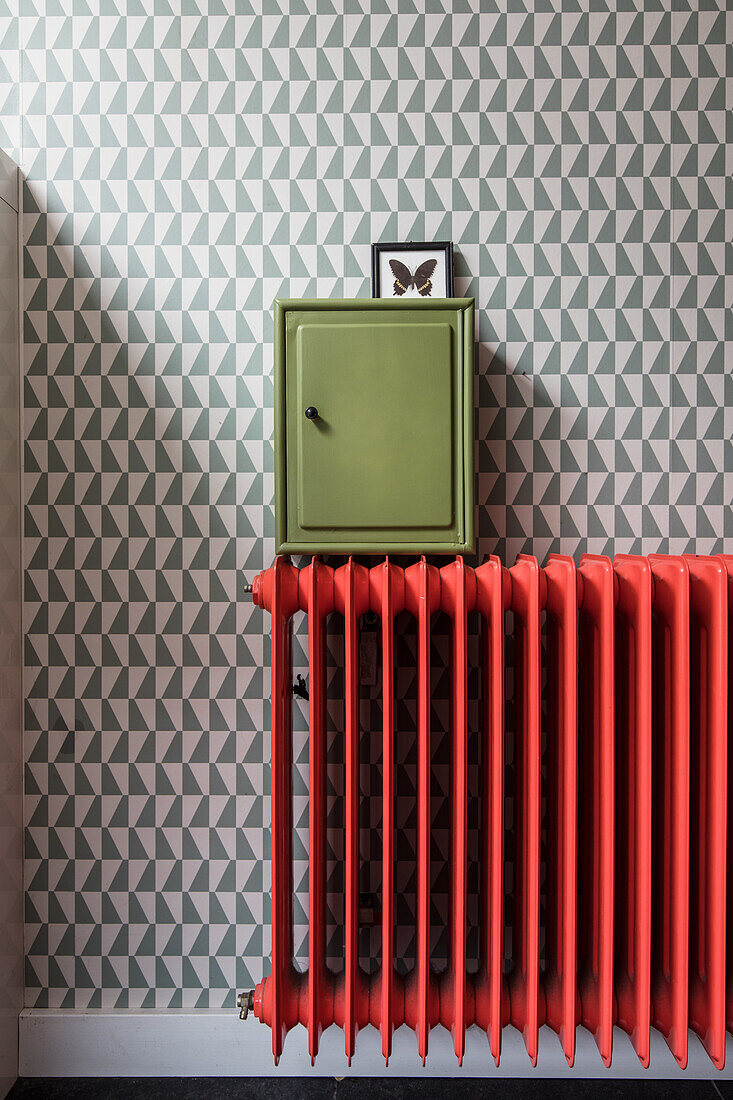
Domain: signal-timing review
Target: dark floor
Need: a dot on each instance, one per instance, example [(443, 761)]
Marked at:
[(290, 1088)]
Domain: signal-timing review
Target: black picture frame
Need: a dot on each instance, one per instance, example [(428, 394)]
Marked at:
[(446, 247)]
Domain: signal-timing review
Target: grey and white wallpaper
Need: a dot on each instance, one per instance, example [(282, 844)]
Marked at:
[(185, 163)]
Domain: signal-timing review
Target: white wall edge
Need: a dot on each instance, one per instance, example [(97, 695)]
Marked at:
[(214, 1043)]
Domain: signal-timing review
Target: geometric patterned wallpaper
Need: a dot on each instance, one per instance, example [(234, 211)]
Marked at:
[(187, 161)]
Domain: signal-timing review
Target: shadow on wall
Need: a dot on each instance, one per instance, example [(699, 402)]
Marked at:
[(530, 450), (147, 476), (531, 440)]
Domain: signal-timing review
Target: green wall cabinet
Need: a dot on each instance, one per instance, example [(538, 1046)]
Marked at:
[(374, 425)]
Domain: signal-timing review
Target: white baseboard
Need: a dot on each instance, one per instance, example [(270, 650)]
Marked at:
[(185, 1043)]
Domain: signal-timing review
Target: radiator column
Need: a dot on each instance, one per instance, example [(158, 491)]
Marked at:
[(596, 748), (709, 767), (493, 595), (671, 800), (388, 583), (423, 596), (562, 799), (524, 978), (352, 600), (633, 908)]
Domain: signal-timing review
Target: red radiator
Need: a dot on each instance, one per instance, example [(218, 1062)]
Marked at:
[(621, 718)]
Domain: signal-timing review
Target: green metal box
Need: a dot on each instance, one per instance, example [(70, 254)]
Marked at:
[(374, 425)]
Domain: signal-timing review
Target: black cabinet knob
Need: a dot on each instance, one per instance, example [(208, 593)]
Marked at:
[(311, 412)]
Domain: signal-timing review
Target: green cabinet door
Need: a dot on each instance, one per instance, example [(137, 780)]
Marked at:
[(374, 426)]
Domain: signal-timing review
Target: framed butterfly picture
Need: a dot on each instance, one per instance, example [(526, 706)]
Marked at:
[(412, 270)]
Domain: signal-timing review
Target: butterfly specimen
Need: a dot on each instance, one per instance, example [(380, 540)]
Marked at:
[(403, 279)]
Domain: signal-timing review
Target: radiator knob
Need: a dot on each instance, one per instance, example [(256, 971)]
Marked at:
[(311, 412)]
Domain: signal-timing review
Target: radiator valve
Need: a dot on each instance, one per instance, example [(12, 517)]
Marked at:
[(300, 688), (245, 1003)]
